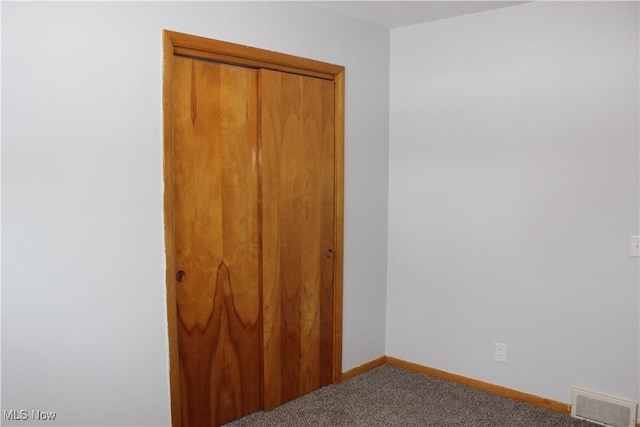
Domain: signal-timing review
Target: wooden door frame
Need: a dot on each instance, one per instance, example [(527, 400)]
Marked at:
[(175, 43)]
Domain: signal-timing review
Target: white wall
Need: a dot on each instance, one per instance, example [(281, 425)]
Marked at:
[(514, 185), (83, 292)]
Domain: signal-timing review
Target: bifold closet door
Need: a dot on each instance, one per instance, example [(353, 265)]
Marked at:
[(298, 216), (217, 240)]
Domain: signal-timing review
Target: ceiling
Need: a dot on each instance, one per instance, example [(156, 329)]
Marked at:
[(393, 14)]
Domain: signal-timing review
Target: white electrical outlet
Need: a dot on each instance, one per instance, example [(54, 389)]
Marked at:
[(500, 354)]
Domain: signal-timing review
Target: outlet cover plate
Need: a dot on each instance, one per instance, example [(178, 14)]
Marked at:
[(500, 354)]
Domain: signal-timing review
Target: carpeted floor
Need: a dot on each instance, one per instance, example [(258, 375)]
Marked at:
[(391, 396)]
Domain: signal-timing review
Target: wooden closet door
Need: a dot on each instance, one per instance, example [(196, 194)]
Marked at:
[(217, 243), (298, 194)]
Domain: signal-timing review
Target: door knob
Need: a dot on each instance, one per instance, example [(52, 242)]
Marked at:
[(329, 253), (181, 276)]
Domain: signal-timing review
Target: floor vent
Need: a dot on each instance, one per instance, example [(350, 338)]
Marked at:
[(603, 410)]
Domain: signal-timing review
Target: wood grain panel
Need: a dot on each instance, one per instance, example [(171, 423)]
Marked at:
[(217, 242), (298, 219)]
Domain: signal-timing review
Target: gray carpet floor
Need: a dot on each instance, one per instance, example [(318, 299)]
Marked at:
[(391, 396)]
